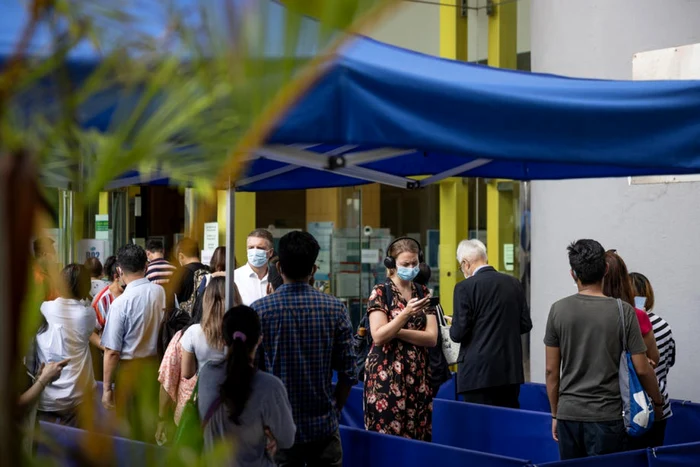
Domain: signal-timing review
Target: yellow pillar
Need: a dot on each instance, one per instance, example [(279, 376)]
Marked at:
[(503, 36), (103, 203), (244, 221), (453, 229), (453, 191), (502, 53), (323, 205), (371, 205)]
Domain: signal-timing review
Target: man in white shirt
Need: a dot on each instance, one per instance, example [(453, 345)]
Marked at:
[(251, 279), (130, 338)]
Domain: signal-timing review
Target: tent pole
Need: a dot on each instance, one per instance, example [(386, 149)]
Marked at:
[(230, 244)]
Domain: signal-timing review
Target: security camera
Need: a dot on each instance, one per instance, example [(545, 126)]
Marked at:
[(368, 231)]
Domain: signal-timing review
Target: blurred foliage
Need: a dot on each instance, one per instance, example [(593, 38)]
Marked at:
[(183, 88)]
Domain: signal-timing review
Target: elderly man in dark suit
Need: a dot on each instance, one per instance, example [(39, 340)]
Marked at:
[(490, 314)]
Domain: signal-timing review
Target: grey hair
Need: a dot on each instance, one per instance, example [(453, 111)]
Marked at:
[(471, 250)]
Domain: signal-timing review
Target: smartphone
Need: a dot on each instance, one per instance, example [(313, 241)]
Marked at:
[(434, 301)]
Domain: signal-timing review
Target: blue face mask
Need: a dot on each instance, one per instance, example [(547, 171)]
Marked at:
[(640, 302), (407, 274), (257, 258)]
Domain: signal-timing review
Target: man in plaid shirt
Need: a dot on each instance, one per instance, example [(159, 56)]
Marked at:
[(306, 335)]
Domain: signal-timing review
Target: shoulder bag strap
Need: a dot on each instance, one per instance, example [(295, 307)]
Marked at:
[(622, 321), (210, 413), (441, 316), (388, 295)]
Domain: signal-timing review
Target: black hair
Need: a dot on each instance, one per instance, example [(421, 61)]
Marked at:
[(241, 329), (297, 255), (94, 267), (273, 275), (155, 246), (110, 268), (132, 258), (188, 247), (77, 280), (587, 261)]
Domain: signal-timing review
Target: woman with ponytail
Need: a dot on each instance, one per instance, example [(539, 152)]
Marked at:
[(248, 407)]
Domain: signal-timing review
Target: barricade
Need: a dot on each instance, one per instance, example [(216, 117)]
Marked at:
[(623, 459), (675, 456), (369, 449), (67, 447), (494, 430)]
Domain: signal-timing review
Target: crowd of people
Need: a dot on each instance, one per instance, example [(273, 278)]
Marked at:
[(263, 370)]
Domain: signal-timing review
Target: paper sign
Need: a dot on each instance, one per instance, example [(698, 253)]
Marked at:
[(508, 256), (91, 248), (370, 256), (102, 227), (211, 236), (206, 256)]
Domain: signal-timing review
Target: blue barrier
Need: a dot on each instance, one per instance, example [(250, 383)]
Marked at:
[(533, 397), (353, 414), (684, 426), (494, 430), (66, 447), (369, 449), (622, 459), (680, 455)]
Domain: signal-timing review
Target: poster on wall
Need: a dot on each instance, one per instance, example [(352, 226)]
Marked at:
[(211, 235), (91, 248)]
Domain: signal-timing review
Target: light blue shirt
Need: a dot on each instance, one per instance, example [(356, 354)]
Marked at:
[(134, 320)]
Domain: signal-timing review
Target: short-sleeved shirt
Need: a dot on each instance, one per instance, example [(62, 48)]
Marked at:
[(96, 286), (160, 271), (194, 341), (268, 406), (306, 335), (70, 325), (644, 322), (101, 303), (250, 286), (134, 320), (588, 333)]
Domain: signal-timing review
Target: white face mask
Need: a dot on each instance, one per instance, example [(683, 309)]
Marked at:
[(257, 258)]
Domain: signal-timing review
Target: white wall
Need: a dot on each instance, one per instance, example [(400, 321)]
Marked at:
[(414, 26), (656, 228)]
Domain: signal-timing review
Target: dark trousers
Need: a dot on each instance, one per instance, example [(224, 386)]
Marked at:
[(63, 417), (651, 439), (136, 395), (326, 452), (499, 396), (585, 439)]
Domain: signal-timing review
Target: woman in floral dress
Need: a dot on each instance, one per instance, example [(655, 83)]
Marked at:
[(398, 398)]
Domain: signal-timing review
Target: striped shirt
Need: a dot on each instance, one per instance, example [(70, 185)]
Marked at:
[(101, 304), (159, 271), (667, 356)]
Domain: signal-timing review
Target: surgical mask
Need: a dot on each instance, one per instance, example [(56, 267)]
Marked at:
[(640, 302), (257, 258), (407, 274)]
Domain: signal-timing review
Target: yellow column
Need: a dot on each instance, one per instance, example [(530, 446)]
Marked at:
[(323, 205), (453, 229), (453, 192), (103, 203), (502, 53), (503, 36), (371, 205), (244, 221)]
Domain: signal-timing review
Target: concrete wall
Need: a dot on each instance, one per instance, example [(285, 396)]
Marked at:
[(414, 26), (656, 228)]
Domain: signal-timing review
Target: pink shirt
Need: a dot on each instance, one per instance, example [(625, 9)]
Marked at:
[(644, 321)]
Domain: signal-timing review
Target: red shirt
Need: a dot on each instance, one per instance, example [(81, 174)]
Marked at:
[(644, 321)]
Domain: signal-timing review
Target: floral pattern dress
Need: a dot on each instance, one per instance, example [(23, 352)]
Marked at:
[(398, 399)]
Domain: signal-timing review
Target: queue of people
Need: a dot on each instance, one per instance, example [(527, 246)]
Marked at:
[(264, 368)]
